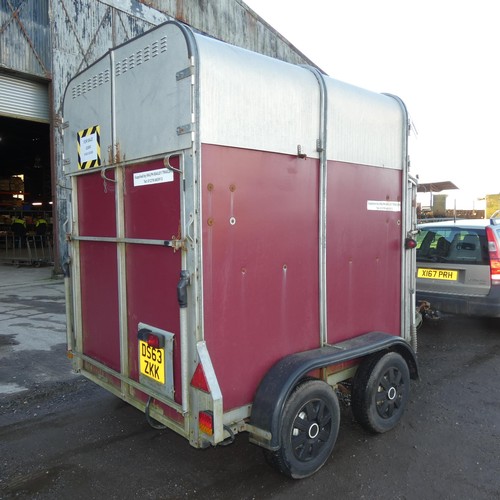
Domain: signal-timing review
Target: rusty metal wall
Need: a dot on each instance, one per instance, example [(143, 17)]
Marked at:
[(25, 44), (55, 39), (233, 22), (83, 31)]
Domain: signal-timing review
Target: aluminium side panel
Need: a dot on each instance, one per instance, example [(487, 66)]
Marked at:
[(364, 127), (87, 97), (254, 102), (153, 109), (141, 95)]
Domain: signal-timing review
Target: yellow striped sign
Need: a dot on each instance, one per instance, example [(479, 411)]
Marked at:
[(89, 148)]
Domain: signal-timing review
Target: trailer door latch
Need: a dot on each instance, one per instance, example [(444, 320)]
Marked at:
[(182, 289), (175, 244)]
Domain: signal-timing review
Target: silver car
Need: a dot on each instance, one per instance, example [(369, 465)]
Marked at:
[(458, 266)]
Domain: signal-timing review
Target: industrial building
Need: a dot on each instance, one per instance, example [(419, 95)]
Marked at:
[(44, 43)]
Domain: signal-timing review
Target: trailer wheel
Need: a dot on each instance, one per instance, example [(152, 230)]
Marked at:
[(309, 429), (380, 391)]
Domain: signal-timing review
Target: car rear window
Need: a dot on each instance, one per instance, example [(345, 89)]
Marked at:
[(452, 244)]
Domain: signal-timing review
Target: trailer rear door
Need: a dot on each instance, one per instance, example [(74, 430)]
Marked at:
[(128, 283), (127, 214)]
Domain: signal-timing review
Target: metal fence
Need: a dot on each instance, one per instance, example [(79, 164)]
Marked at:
[(26, 250)]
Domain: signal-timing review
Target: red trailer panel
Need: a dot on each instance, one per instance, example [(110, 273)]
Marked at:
[(260, 255), (363, 251), (99, 292)]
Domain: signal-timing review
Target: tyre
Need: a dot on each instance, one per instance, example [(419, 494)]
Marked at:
[(310, 425), (380, 391)]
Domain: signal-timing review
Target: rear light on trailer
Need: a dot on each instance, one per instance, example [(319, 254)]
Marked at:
[(410, 243), (494, 256), (199, 380), (206, 422), (153, 341)]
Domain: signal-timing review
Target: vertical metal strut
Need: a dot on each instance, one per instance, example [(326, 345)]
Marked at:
[(323, 177)]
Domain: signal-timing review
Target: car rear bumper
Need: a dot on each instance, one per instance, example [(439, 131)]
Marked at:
[(487, 305)]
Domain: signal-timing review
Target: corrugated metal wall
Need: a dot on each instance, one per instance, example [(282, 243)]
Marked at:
[(25, 43), (233, 22), (83, 30), (52, 40)]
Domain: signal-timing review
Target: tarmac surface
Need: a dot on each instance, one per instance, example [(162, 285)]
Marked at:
[(32, 329), (62, 436)]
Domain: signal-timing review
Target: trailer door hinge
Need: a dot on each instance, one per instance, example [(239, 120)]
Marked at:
[(59, 122), (300, 152), (184, 73), (185, 129)]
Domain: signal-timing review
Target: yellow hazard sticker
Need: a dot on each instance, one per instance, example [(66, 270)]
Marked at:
[(89, 148)]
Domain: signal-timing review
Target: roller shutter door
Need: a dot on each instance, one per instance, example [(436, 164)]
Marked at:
[(25, 99)]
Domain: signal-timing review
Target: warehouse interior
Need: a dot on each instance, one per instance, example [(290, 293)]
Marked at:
[(25, 173)]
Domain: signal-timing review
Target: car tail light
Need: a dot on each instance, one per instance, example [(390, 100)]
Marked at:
[(494, 256)]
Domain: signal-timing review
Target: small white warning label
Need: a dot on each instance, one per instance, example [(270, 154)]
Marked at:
[(383, 206), (153, 177)]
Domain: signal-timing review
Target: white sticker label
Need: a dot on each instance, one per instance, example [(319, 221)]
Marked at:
[(88, 148), (153, 177), (384, 206)]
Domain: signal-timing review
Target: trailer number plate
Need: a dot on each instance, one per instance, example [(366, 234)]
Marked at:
[(152, 362), (438, 274)]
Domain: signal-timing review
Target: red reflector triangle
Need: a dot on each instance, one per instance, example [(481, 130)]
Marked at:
[(199, 380)]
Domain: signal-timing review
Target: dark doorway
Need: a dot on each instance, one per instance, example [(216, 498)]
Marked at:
[(25, 151)]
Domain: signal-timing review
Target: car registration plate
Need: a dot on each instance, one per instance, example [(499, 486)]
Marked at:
[(152, 362), (438, 274)]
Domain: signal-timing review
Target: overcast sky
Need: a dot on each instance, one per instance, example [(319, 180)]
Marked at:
[(440, 56)]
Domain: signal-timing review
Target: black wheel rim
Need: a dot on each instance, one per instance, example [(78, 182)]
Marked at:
[(311, 429), (390, 394)]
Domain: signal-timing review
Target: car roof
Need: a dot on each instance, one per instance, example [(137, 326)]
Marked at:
[(473, 223)]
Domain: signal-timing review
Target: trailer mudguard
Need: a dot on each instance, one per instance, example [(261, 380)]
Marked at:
[(279, 381)]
